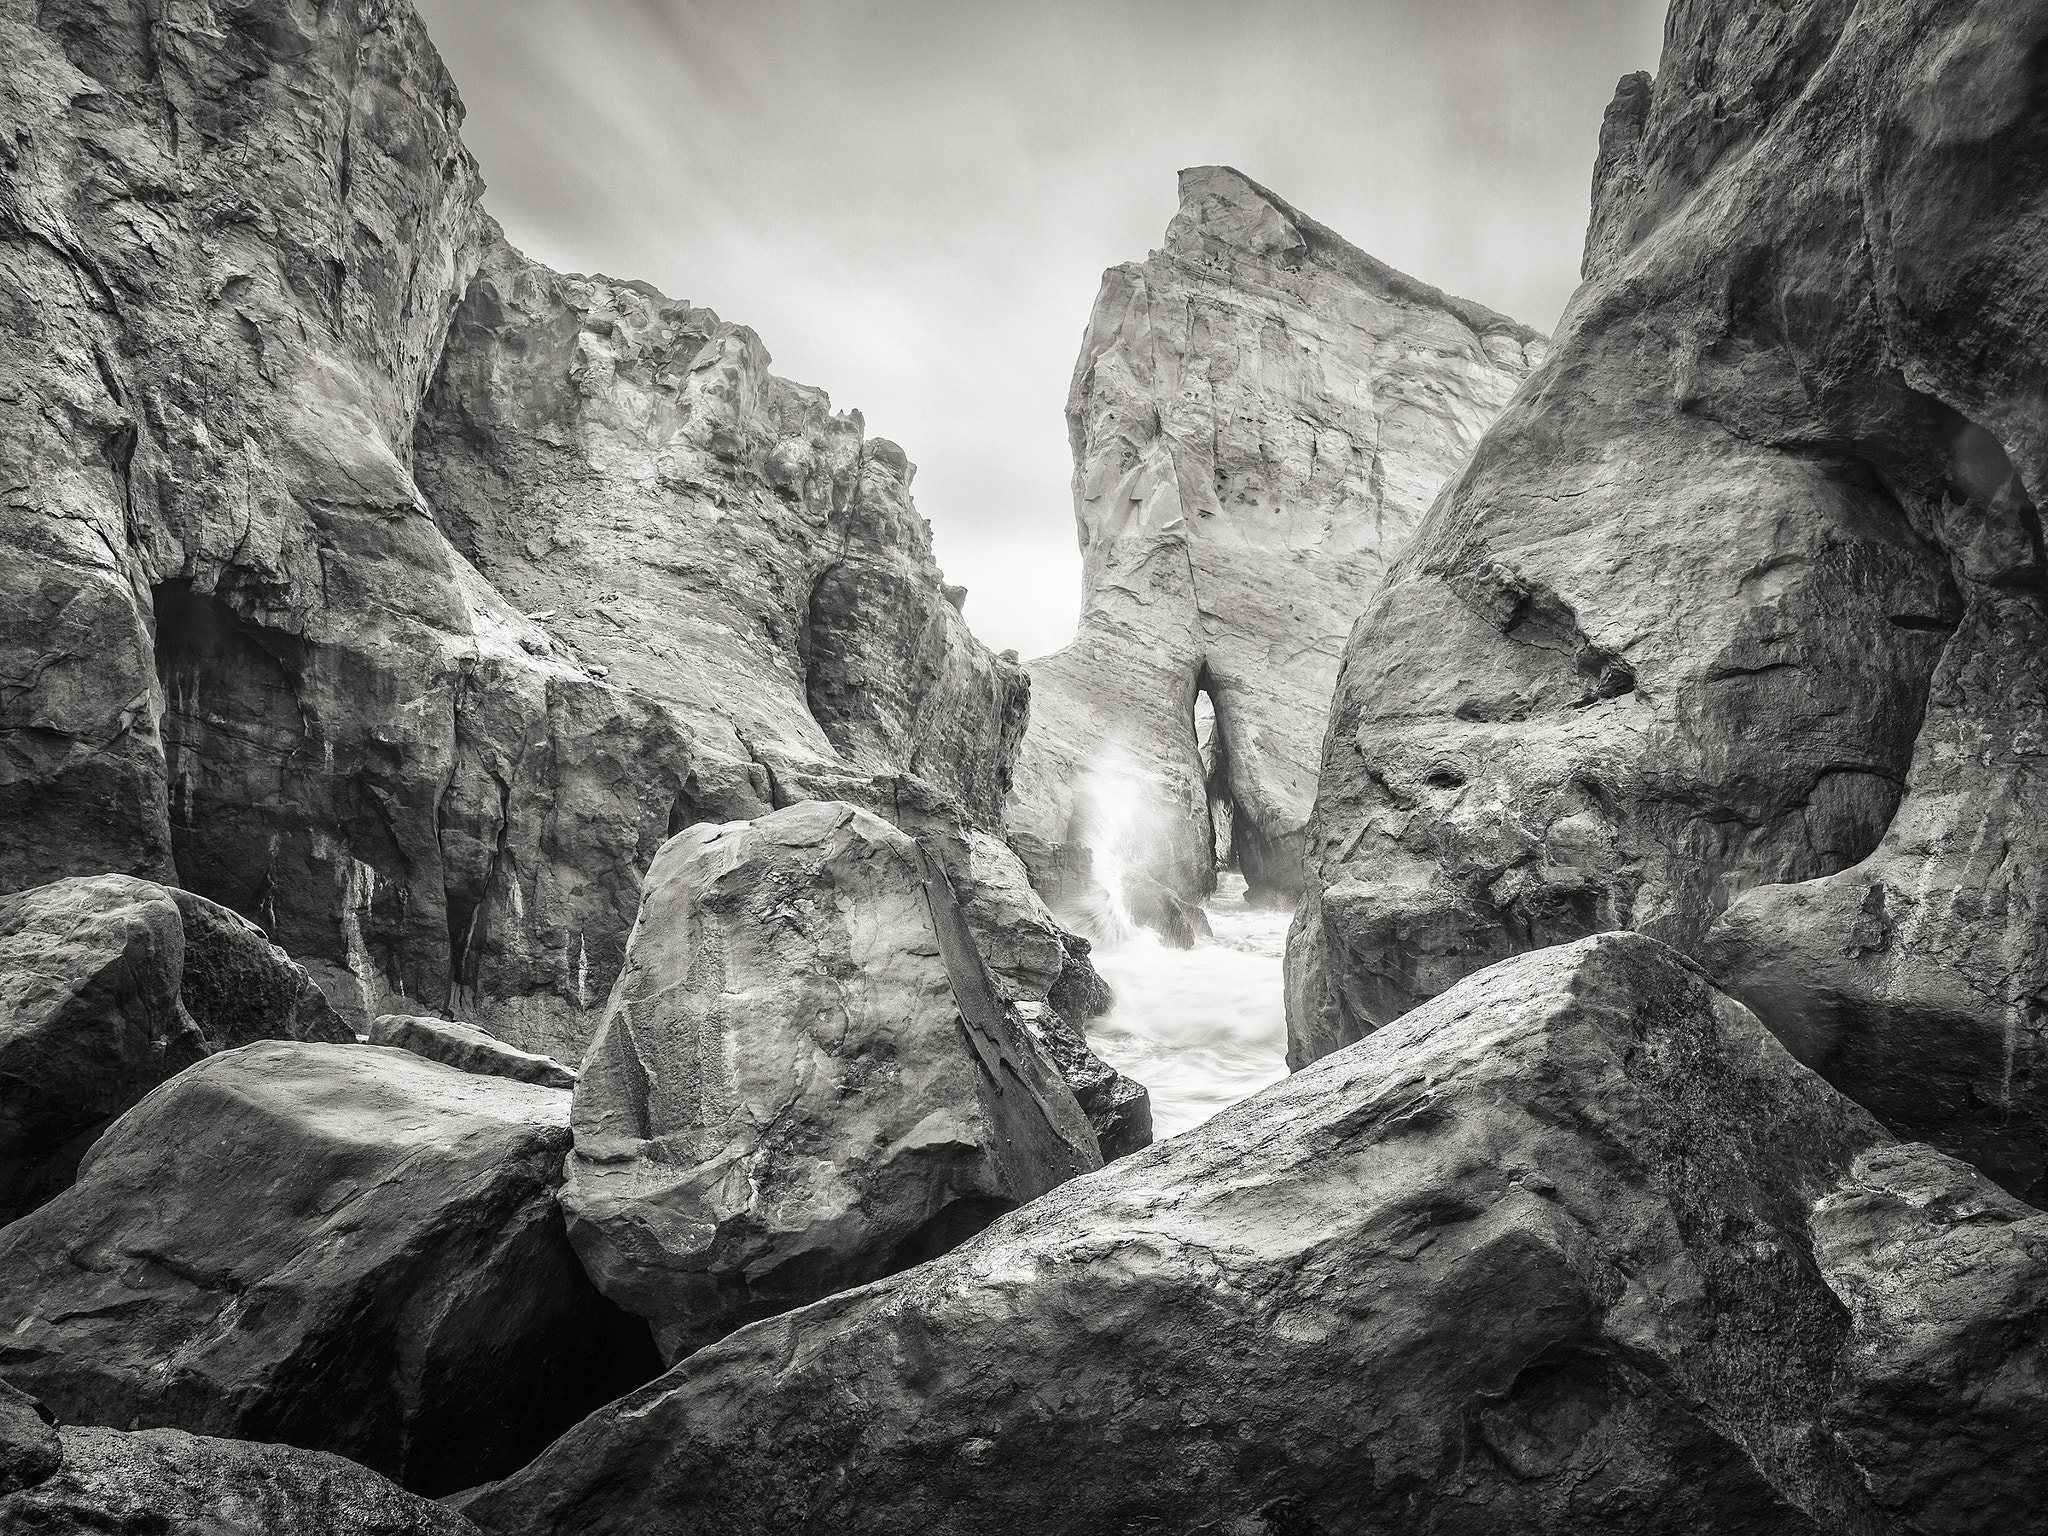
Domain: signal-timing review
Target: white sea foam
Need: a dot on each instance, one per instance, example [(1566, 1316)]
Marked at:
[(1203, 1027)]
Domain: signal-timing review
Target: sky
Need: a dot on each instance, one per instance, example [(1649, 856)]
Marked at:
[(913, 201)]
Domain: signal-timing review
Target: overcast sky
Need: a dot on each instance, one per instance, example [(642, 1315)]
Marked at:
[(912, 201)]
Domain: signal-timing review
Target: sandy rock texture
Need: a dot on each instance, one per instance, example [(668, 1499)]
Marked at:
[(109, 985), (1577, 1247), (804, 1080), (1730, 631), (241, 653), (340, 1247), (468, 1049), (1259, 417), (166, 1480)]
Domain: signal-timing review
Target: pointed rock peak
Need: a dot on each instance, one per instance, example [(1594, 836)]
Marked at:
[(1218, 202)]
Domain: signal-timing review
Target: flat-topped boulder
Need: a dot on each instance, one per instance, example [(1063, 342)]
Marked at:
[(805, 1079), (342, 1247), (1578, 1247)]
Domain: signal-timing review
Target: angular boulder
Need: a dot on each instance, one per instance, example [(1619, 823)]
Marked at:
[(166, 1480), (1730, 631), (341, 1247), (1575, 1248), (239, 987), (804, 1080), (89, 1021), (468, 1049), (1260, 415), (30, 1449)]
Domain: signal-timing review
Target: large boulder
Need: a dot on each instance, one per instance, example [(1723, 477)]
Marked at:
[(239, 987), (30, 1449), (1260, 415), (1730, 632), (340, 1247), (804, 1080), (89, 1021), (166, 1480), (1576, 1248)]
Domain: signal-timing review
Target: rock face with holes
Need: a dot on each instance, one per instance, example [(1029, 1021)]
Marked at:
[(1476, 1274), (238, 649), (109, 985), (1730, 631), (337, 1246), (1260, 415), (805, 1079)]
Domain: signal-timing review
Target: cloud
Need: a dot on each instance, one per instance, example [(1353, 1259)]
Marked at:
[(913, 201)]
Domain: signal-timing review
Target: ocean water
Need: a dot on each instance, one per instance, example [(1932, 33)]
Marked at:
[(1203, 1027)]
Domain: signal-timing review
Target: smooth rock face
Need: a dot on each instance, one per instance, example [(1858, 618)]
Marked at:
[(804, 1080), (165, 1480), (342, 1247), (89, 1021), (248, 657), (1259, 416), (1730, 631), (469, 1049), (1577, 1247)]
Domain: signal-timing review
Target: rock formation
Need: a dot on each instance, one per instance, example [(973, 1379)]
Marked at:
[(1259, 417), (804, 1080), (240, 653), (109, 985), (1477, 1273), (341, 1247), (1730, 630), (469, 1049), (166, 1480)]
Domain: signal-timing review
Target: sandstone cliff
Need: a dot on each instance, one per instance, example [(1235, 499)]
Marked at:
[(1259, 417), (241, 650), (1731, 631)]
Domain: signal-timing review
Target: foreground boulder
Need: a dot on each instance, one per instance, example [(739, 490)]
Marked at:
[(1731, 630), (166, 1480), (1260, 415), (804, 1080), (109, 985), (468, 1049), (341, 1247), (1539, 1258), (30, 1449)]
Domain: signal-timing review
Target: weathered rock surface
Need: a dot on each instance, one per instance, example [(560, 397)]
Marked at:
[(109, 985), (1730, 632), (29, 1448), (166, 1480), (804, 1080), (1260, 416), (1577, 1247), (240, 651), (341, 1247), (1119, 1109), (469, 1049)]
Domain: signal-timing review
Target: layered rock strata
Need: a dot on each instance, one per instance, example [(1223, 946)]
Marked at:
[(804, 1080), (238, 651), (1477, 1273), (1259, 417), (1730, 630), (339, 1247)]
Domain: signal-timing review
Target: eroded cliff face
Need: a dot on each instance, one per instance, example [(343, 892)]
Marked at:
[(236, 649), (1731, 631), (1260, 416)]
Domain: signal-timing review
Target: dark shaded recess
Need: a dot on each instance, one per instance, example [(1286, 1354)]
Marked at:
[(1271, 870), (831, 686), (946, 1230)]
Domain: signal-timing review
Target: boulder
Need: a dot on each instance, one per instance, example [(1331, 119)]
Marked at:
[(1260, 415), (341, 1247), (239, 987), (804, 1080), (166, 1480), (1729, 632), (29, 1447), (1119, 1108), (1576, 1248), (89, 1021), (468, 1049)]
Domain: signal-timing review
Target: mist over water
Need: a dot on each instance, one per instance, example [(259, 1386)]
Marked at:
[(1201, 1028)]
